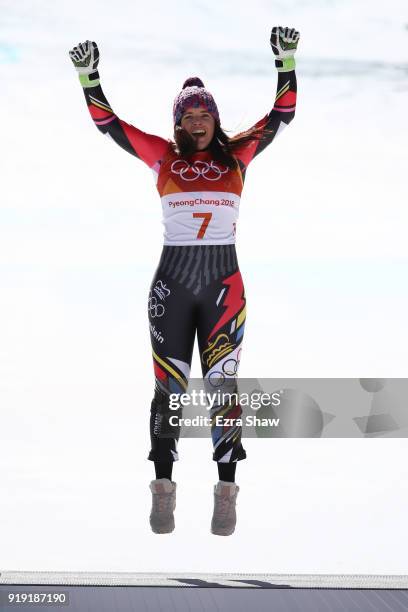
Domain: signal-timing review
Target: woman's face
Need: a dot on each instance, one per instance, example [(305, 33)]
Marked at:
[(200, 125)]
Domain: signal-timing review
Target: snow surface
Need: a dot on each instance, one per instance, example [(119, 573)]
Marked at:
[(322, 248)]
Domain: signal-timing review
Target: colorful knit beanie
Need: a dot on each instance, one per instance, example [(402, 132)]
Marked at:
[(194, 94)]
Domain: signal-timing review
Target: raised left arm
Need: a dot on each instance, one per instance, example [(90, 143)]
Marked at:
[(284, 44)]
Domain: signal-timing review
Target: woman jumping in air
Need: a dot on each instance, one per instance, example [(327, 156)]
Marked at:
[(197, 287)]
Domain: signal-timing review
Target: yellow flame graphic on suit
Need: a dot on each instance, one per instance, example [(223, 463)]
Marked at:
[(213, 353)]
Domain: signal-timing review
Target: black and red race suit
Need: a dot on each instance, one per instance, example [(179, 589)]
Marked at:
[(197, 287)]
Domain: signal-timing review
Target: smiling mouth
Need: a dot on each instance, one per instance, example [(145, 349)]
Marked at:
[(199, 133)]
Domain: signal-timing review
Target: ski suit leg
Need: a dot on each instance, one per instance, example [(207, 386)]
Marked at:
[(172, 321), (220, 327)]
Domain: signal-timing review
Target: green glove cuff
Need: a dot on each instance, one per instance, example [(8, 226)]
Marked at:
[(285, 65), (89, 80)]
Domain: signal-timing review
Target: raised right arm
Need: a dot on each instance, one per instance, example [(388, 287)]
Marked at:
[(147, 147)]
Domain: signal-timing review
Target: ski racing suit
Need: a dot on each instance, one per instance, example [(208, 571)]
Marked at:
[(197, 286)]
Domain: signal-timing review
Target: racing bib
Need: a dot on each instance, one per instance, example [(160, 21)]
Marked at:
[(200, 200)]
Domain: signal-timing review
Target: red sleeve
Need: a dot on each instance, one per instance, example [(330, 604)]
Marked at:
[(280, 116), (147, 147)]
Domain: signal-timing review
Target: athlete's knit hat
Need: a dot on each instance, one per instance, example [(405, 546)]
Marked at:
[(194, 94)]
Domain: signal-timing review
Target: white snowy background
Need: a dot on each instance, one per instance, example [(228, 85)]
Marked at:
[(323, 251)]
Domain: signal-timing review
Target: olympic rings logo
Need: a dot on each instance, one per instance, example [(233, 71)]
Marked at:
[(209, 171), (229, 370), (155, 309)]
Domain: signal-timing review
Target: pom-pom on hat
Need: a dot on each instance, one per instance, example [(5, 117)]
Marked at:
[(194, 94)]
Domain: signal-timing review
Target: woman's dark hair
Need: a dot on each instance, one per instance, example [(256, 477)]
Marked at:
[(222, 146)]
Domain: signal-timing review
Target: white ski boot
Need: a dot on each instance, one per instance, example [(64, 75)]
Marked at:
[(224, 518), (163, 505)]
